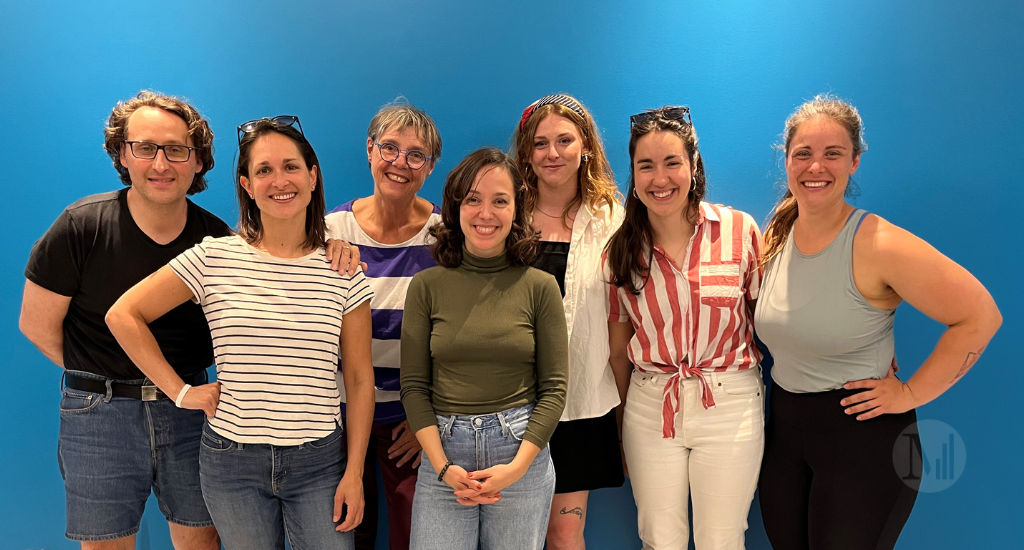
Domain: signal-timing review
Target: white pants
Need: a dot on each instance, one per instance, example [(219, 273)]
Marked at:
[(715, 458)]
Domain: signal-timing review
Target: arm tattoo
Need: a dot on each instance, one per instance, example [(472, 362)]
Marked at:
[(577, 511), (972, 358)]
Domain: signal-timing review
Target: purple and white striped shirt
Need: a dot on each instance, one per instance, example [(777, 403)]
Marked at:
[(389, 269)]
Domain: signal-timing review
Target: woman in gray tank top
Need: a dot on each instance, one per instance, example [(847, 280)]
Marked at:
[(834, 277)]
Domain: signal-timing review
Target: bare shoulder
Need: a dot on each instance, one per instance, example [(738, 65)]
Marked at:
[(879, 240)]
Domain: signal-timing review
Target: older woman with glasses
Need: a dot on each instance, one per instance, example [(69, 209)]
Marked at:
[(684, 277), (271, 459), (391, 227)]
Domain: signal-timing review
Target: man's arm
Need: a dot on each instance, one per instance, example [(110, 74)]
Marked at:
[(42, 320)]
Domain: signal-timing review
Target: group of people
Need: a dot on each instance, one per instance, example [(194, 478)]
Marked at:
[(534, 337)]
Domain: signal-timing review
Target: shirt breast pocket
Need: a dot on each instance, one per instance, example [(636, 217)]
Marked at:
[(720, 284)]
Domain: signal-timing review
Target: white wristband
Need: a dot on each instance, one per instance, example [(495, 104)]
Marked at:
[(181, 395)]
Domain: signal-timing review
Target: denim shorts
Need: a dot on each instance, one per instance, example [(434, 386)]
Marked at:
[(113, 451), (519, 520), (260, 494)]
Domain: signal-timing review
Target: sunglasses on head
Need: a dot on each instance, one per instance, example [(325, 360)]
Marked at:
[(680, 114), (280, 120)]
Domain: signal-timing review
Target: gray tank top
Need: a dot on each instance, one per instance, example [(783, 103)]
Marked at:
[(818, 327)]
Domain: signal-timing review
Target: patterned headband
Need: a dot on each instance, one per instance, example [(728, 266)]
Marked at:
[(556, 99)]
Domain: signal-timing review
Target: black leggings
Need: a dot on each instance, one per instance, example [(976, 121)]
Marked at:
[(827, 479)]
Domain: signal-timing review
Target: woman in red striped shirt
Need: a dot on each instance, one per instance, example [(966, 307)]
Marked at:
[(684, 277)]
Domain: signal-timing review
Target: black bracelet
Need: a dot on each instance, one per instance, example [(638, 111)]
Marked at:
[(440, 476)]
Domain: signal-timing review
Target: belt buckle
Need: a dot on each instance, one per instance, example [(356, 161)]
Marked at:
[(150, 393)]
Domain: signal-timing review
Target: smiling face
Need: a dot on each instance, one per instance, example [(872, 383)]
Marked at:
[(157, 180), (557, 151), (819, 163), (487, 212), (279, 180), (397, 180), (662, 174)]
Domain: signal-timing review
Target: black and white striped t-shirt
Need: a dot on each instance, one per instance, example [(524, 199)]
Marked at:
[(276, 327)]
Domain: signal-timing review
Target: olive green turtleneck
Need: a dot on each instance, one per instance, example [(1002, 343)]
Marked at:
[(481, 338)]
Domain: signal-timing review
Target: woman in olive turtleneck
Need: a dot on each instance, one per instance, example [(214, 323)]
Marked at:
[(484, 362)]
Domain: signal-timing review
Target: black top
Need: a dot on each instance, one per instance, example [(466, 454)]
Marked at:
[(94, 253), (552, 257)]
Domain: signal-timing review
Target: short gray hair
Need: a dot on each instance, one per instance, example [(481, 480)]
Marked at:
[(400, 114)]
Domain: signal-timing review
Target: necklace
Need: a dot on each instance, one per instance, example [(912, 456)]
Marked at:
[(537, 208)]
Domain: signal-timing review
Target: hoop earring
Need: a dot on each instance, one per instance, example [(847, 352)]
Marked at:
[(634, 193)]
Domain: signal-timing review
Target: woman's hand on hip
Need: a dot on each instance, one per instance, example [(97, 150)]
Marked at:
[(204, 398), (405, 445), (886, 396)]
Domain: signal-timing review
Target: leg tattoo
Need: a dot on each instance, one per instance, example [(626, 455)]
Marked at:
[(576, 511)]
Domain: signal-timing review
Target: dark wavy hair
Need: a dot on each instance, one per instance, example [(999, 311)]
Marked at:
[(634, 239), (521, 243), (250, 225), (116, 132)]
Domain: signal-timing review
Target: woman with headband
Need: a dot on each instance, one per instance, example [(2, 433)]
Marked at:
[(573, 201), (684, 276), (835, 275), (272, 463)]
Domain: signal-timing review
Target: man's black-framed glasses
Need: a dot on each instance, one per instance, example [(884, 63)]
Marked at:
[(146, 150), (389, 152), (681, 114), (280, 120)]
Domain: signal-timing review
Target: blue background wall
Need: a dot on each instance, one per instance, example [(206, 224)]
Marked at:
[(939, 84)]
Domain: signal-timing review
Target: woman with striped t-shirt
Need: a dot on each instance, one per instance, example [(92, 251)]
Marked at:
[(684, 276), (271, 459)]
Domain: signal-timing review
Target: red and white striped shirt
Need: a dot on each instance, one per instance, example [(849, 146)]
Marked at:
[(697, 319)]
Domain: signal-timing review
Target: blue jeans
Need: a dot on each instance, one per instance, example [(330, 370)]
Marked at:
[(259, 495), (113, 451), (519, 520)]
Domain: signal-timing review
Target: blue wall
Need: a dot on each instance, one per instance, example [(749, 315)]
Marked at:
[(939, 84)]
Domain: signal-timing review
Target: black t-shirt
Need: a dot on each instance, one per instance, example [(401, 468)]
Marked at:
[(94, 253)]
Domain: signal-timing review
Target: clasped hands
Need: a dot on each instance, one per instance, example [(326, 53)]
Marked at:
[(481, 486)]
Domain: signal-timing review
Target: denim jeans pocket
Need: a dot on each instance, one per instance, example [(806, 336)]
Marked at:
[(78, 402), (213, 441), (334, 438), (517, 428)]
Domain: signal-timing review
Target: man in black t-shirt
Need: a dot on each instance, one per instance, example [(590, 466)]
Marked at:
[(120, 437)]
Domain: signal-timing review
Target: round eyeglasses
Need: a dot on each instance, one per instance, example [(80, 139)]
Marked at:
[(147, 151), (389, 152)]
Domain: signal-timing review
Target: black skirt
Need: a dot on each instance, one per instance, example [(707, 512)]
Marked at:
[(586, 454)]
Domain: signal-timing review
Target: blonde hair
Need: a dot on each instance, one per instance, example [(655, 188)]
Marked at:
[(785, 212), (595, 183)]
